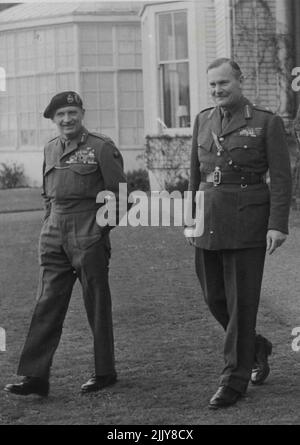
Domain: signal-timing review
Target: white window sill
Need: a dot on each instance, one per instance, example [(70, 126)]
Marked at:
[(187, 131)]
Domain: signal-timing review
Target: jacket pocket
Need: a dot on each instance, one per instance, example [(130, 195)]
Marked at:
[(245, 143), (205, 142), (85, 179), (84, 169)]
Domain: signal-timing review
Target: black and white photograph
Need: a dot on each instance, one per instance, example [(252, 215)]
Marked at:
[(150, 215)]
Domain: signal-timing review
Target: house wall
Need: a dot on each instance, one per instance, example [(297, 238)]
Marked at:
[(254, 48), (223, 28), (101, 60)]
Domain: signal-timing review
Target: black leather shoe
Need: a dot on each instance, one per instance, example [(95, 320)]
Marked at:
[(96, 382), (29, 385), (225, 396), (261, 369)]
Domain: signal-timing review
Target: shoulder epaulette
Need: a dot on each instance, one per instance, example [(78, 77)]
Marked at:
[(53, 139), (206, 109), (101, 136), (260, 108)]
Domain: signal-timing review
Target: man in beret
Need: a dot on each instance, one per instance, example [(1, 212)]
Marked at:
[(78, 165), (234, 144)]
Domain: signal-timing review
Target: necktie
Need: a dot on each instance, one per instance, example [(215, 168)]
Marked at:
[(225, 119)]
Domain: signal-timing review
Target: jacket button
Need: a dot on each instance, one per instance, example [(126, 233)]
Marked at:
[(245, 146), (211, 232), (221, 139)]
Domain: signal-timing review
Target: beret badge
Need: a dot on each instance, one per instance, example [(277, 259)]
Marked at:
[(70, 99)]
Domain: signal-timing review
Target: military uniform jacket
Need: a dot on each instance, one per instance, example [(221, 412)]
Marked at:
[(238, 217), (75, 172)]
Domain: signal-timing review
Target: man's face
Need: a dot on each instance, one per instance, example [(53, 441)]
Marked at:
[(68, 121), (225, 88)]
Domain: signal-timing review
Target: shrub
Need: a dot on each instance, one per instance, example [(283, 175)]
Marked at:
[(138, 180), (11, 176), (181, 185)]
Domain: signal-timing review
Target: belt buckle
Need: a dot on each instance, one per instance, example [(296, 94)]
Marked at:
[(217, 177), (243, 183)]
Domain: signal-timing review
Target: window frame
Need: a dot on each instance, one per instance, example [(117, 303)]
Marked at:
[(161, 63)]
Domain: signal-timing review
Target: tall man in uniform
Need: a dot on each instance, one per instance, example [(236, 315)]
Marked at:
[(234, 145), (78, 165)]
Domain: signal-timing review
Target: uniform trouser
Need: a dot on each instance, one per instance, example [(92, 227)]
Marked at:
[(63, 257), (231, 284)]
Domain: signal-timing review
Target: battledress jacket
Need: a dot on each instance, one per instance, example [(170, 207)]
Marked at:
[(238, 217), (74, 175)]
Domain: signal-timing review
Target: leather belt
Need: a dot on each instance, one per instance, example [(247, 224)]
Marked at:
[(241, 178)]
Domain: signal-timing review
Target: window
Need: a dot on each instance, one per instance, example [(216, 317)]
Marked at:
[(174, 68), (25, 60), (111, 79), (65, 48), (131, 108), (96, 45), (8, 116), (129, 48), (26, 107), (45, 49), (41, 62), (98, 94)]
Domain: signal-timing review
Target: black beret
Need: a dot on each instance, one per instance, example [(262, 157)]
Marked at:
[(64, 99)]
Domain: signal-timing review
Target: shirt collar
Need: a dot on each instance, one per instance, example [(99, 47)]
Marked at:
[(79, 139)]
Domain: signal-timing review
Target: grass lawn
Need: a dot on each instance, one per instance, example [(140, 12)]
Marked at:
[(168, 346), (20, 199)]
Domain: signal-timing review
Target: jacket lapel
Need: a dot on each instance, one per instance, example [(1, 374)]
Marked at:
[(237, 120), (72, 145)]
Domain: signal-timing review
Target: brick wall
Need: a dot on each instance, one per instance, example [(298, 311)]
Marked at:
[(254, 47)]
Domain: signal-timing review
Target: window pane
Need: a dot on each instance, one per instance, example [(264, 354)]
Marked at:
[(181, 45), (98, 96), (45, 49), (96, 45), (45, 89), (65, 47), (7, 49), (176, 95), (129, 46), (131, 107), (165, 37), (65, 81), (24, 52)]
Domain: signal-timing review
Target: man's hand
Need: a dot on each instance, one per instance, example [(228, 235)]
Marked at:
[(274, 240), (190, 239)]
